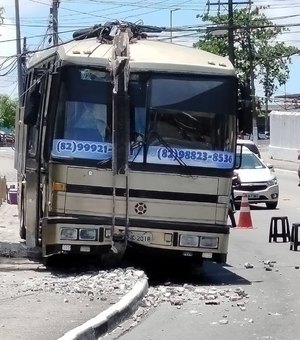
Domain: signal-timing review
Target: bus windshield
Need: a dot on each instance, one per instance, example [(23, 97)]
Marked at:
[(186, 119), (194, 116), (83, 115)]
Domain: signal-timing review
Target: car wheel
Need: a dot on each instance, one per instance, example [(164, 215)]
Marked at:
[(272, 205)]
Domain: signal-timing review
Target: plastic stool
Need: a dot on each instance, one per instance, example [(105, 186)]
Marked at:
[(285, 229), (294, 237)]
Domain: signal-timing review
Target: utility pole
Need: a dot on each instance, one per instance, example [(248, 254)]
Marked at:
[(267, 101), (230, 32), (19, 53), (252, 82), (54, 12), (171, 22), (231, 27), (252, 85)]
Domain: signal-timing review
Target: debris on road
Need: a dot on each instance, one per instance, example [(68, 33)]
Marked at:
[(248, 265)]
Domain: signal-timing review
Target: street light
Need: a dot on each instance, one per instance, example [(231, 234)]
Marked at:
[(171, 21)]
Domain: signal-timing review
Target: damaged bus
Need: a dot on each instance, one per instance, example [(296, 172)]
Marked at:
[(126, 141)]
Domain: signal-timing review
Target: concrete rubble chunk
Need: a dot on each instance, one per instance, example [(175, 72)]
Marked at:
[(223, 322), (248, 265)]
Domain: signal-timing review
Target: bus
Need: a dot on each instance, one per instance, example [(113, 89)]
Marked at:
[(124, 141)]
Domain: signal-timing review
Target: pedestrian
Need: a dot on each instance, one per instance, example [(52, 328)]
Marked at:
[(231, 209)]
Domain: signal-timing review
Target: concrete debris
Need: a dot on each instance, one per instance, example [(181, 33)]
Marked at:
[(178, 295), (95, 285), (274, 314), (248, 265), (269, 263), (212, 302), (223, 322)]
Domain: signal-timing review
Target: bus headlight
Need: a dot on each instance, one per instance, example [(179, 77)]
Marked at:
[(68, 234), (209, 242), (87, 234), (189, 241)]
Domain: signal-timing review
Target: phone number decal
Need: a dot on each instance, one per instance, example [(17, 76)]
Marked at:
[(74, 147), (195, 155), (81, 149)]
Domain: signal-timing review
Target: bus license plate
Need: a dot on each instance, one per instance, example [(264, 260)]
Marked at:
[(140, 237)]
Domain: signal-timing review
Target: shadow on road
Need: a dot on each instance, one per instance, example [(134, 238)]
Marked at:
[(179, 272)]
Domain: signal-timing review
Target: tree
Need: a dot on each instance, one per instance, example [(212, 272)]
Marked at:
[(7, 105), (254, 37), (7, 112)]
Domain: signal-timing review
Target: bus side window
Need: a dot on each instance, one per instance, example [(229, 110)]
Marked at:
[(31, 114), (32, 106), (32, 141)]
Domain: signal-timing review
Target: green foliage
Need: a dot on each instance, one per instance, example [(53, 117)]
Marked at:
[(7, 112), (7, 106), (254, 37)]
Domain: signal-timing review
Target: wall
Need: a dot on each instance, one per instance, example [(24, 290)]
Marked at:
[(284, 135)]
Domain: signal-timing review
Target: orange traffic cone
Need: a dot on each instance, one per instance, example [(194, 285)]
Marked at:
[(245, 220)]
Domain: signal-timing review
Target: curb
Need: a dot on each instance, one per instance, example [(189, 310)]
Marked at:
[(108, 319), (18, 250)]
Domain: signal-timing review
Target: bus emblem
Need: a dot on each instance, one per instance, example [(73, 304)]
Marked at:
[(140, 208)]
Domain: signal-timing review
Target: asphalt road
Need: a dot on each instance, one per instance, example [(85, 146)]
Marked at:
[(271, 309)]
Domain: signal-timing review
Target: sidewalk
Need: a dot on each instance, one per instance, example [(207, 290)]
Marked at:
[(279, 164), (36, 303), (39, 303)]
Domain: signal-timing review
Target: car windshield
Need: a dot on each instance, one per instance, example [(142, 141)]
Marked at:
[(250, 161), (250, 146)]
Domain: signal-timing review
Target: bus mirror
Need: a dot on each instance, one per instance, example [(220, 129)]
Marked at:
[(32, 106)]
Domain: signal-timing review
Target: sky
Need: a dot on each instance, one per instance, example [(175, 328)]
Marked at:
[(76, 14)]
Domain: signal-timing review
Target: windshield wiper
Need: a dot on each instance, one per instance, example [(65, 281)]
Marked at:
[(169, 148), (138, 144)]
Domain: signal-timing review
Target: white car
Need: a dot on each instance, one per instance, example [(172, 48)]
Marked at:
[(257, 180), (249, 144)]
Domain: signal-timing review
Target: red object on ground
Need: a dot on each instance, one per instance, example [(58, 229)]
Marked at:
[(245, 220)]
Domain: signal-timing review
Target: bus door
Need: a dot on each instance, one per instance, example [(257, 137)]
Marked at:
[(31, 193)]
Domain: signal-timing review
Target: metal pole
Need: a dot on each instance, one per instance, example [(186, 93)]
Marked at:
[(19, 53), (252, 79), (230, 32), (55, 21), (171, 23), (267, 101)]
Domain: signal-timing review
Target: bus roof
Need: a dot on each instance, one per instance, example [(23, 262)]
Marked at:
[(145, 55)]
